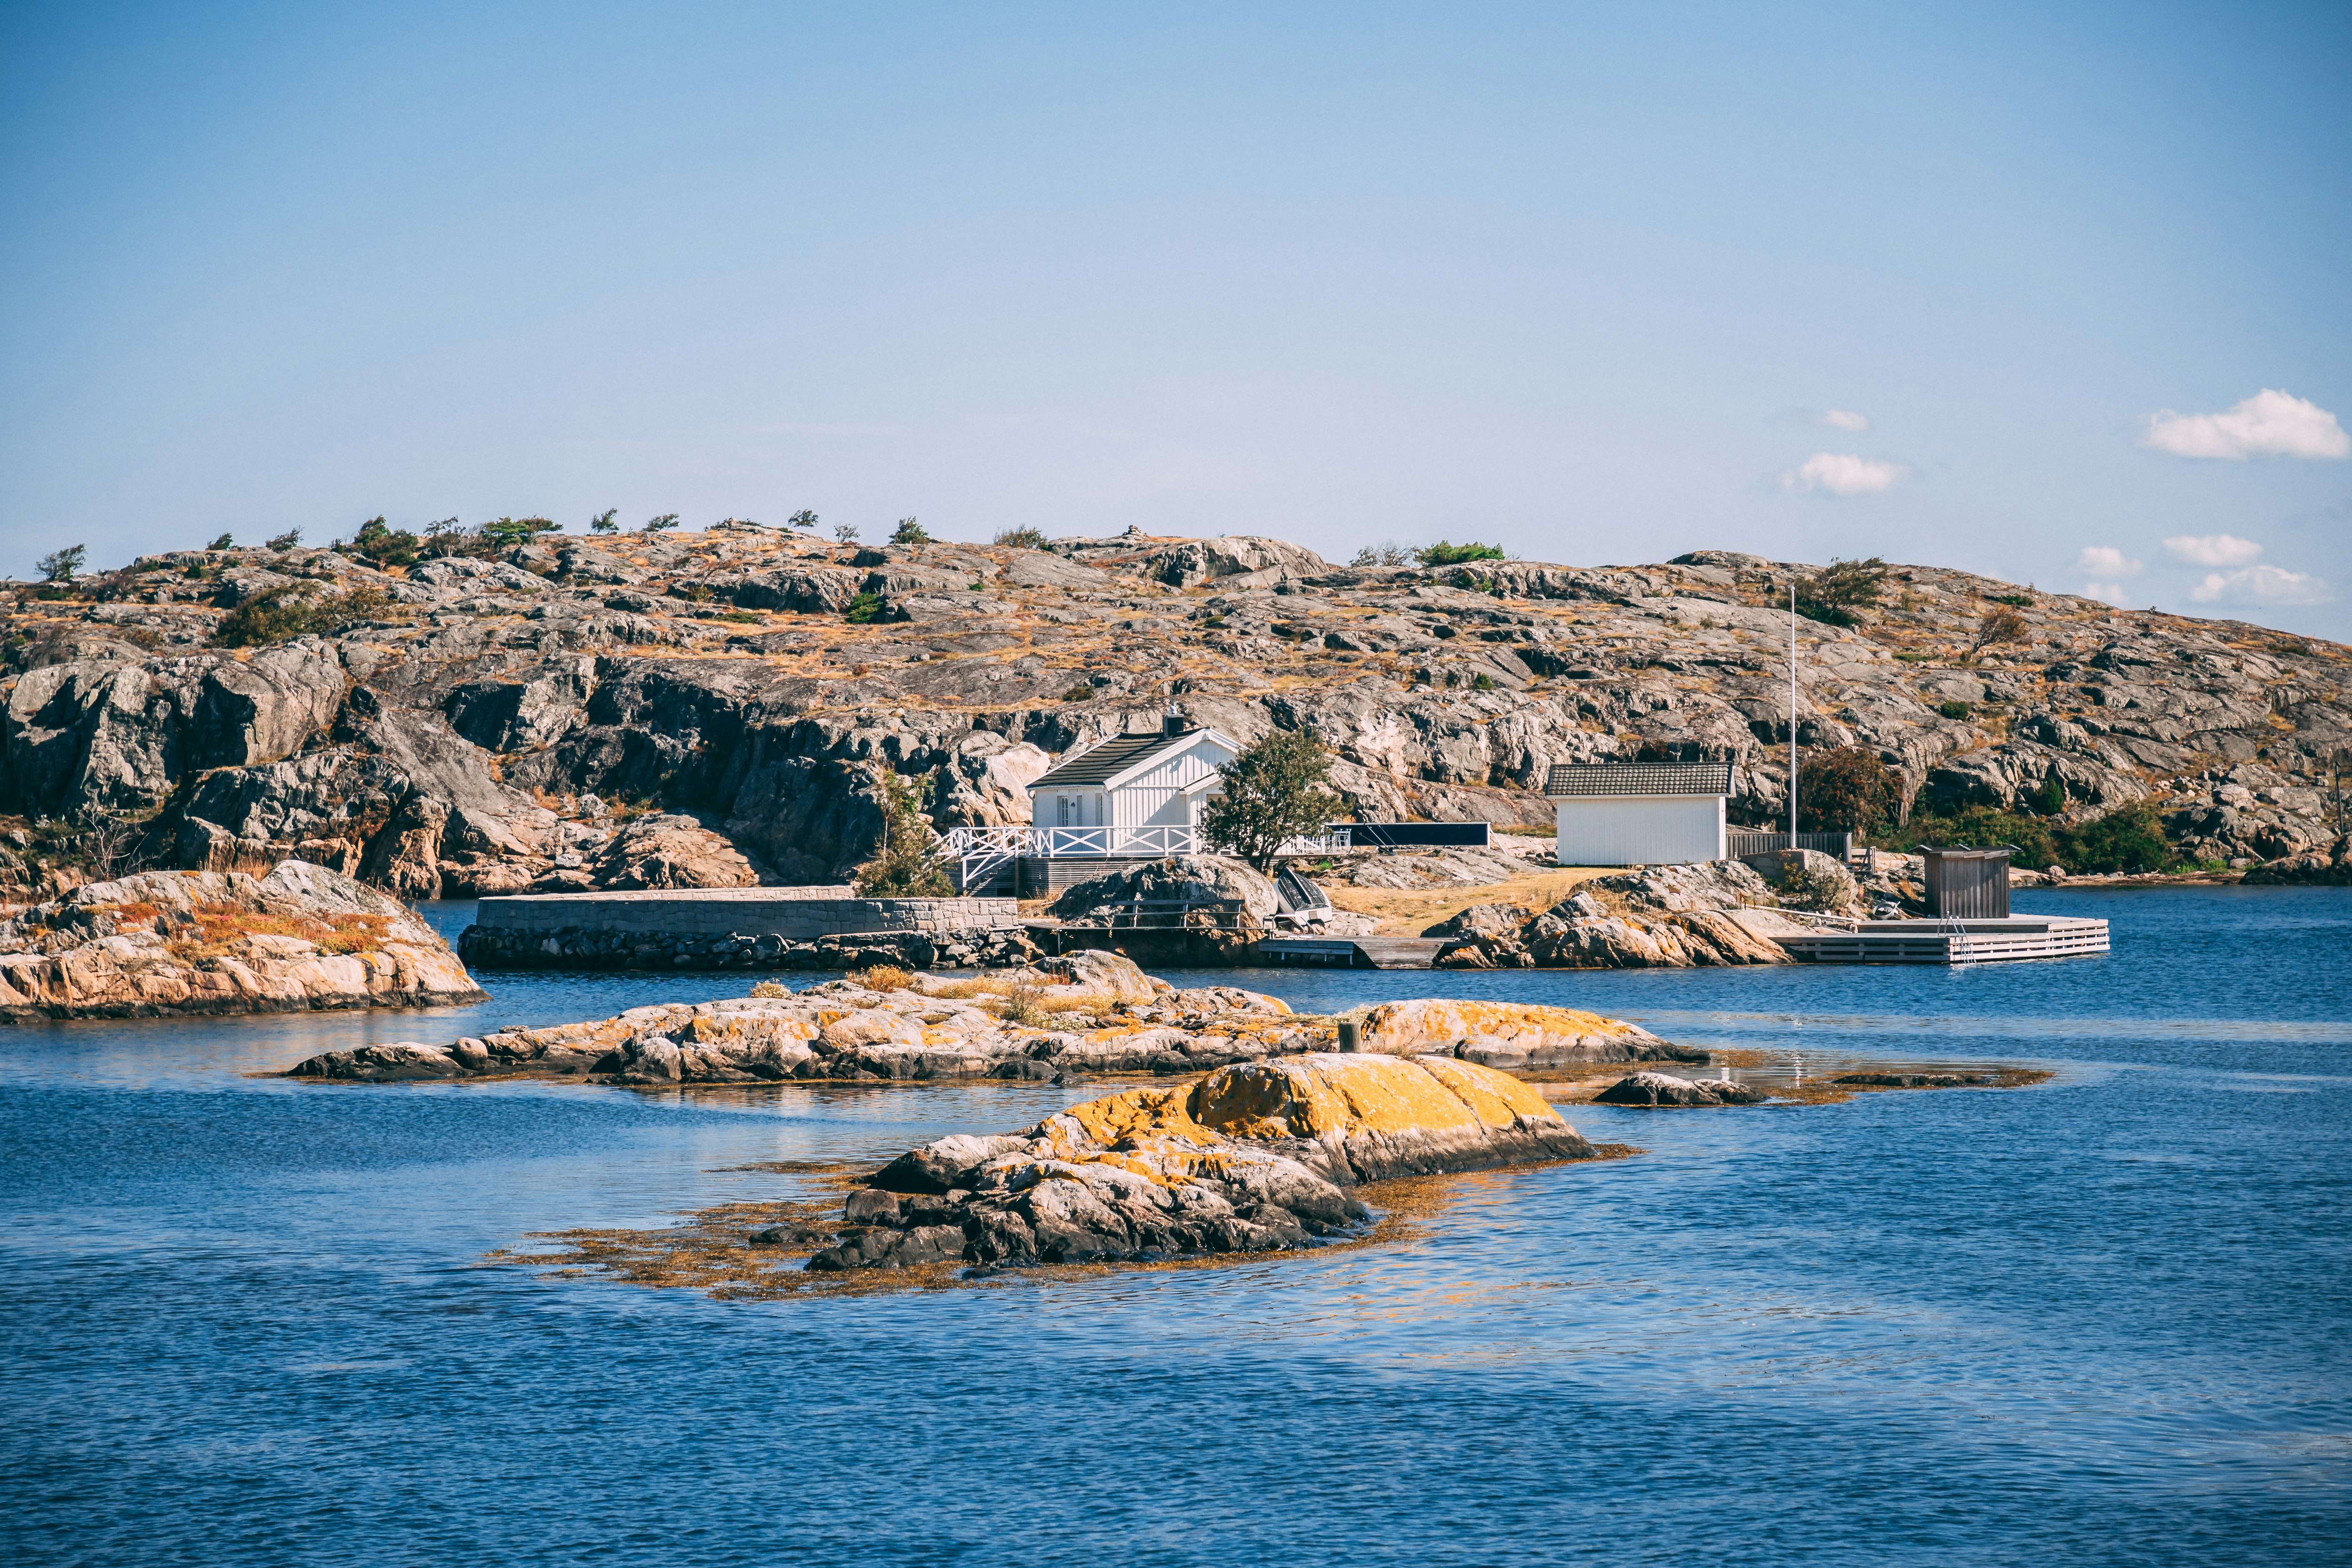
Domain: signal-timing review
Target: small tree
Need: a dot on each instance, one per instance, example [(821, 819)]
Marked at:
[(1385, 555), (384, 545), (2002, 627), (909, 531), (506, 532), (224, 541), (1847, 790), (1023, 538), (903, 865), (803, 518), (59, 565), (1273, 791), (606, 522), (1833, 593), (289, 540), (665, 521), (1444, 554), (845, 531)]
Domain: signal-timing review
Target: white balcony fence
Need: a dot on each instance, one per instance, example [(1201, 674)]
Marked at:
[(984, 850)]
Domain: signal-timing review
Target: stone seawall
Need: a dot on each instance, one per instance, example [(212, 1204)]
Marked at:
[(795, 914), (599, 948)]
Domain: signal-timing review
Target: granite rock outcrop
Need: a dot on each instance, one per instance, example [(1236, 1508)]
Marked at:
[(1083, 1013), (473, 725), (1262, 1156), (160, 943)]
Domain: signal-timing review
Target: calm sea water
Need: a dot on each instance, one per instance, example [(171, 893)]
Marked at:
[(2102, 1321)]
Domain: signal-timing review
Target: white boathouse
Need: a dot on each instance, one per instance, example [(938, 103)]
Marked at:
[(1639, 814)]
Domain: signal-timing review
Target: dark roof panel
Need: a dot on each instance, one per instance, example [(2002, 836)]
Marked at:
[(1570, 779), (1114, 756)]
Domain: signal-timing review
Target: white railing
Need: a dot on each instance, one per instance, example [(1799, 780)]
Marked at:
[(983, 849)]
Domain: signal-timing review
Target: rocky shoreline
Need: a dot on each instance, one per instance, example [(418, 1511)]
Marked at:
[(178, 943), (1085, 1013), (1258, 1157), (597, 949)]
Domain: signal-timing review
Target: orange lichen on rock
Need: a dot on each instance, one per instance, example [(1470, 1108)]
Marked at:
[(1509, 1035), (1341, 1096)]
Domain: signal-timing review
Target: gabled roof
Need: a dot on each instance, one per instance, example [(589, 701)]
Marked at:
[(1567, 780), (1121, 754)]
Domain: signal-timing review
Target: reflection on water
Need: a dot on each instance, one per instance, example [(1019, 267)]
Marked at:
[(2097, 1320)]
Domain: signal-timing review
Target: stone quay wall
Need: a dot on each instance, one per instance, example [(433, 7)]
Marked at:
[(744, 928), (795, 915)]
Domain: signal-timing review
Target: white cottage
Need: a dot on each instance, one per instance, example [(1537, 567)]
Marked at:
[(1132, 795), (1639, 814)]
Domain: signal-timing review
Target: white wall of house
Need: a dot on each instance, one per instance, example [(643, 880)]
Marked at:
[(1164, 795), (1640, 830), (1169, 793), (1078, 806)]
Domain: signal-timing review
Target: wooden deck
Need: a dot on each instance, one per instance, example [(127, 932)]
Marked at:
[(1349, 952), (1951, 942)]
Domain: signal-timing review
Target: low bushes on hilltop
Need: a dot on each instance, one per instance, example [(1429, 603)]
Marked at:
[(1442, 553), (294, 611)]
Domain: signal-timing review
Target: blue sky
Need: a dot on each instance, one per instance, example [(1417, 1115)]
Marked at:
[(1588, 281)]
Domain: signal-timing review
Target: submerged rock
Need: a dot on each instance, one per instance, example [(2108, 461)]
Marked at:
[(1257, 1157), (167, 943), (1659, 1089)]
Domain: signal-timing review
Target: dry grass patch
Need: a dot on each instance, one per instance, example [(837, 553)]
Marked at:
[(1410, 911), (221, 927)]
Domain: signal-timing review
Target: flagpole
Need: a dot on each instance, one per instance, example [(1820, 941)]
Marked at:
[(1792, 713)]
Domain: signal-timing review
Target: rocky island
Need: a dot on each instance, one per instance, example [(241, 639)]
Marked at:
[(162, 943), (1087, 1013), (1257, 1157)]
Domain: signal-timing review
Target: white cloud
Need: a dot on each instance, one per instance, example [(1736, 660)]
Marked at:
[(2106, 559), (1845, 420), (1843, 474), (2212, 549), (2113, 592), (2268, 424), (2262, 585)]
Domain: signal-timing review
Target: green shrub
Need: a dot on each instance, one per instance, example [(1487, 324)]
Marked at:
[(2051, 800), (2127, 841), (1081, 692), (1832, 595), (224, 541), (909, 531), (59, 565), (1443, 553), (506, 532), (902, 867), (865, 608), (1979, 827), (386, 546), (1847, 790), (1023, 538), (1483, 683), (1953, 709), (293, 611)]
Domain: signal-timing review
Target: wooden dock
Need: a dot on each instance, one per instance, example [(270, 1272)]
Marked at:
[(1951, 942), (1349, 952)]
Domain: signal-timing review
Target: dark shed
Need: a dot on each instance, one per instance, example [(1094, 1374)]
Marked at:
[(1968, 884)]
